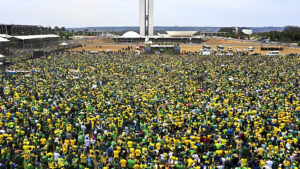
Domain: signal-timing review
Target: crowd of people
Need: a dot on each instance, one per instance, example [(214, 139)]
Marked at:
[(79, 110)]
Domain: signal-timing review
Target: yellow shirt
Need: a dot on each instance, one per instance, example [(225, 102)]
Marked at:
[(129, 144), (83, 159), (67, 141), (138, 152), (43, 141), (260, 151), (244, 162), (123, 163), (158, 145), (190, 162), (136, 166), (72, 142), (116, 154), (261, 163), (286, 163)]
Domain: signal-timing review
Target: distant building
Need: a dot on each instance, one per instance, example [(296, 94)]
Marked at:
[(146, 18), (18, 30), (236, 30), (247, 31), (28, 36), (228, 30), (244, 30)]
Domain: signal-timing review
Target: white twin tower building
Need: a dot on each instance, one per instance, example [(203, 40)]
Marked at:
[(146, 17)]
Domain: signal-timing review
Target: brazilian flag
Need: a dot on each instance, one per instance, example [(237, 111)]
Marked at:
[(34, 108)]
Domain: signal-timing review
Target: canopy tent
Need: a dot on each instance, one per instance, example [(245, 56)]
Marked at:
[(27, 37), (5, 36), (64, 44), (3, 40), (2, 56)]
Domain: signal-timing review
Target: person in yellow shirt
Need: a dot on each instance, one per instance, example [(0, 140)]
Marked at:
[(286, 163), (129, 144), (136, 166), (116, 154), (158, 145), (262, 163), (244, 162), (123, 163), (190, 162), (260, 152), (72, 142), (43, 141), (138, 153), (83, 158)]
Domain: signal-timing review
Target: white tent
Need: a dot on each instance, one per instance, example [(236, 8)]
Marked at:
[(1, 56), (36, 37), (5, 36), (64, 44), (3, 40)]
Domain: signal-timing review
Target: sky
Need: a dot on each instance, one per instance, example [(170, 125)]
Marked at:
[(88, 13)]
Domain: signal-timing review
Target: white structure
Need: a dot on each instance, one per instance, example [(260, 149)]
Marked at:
[(247, 31), (131, 34), (64, 44), (181, 33), (27, 37), (3, 40), (146, 17)]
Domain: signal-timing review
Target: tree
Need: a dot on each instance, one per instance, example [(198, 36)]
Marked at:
[(63, 29), (86, 32), (230, 30)]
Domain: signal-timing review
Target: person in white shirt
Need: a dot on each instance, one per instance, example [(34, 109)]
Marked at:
[(56, 155), (87, 141), (269, 163), (196, 157), (162, 158)]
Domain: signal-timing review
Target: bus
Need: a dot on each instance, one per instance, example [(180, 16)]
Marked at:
[(273, 53)]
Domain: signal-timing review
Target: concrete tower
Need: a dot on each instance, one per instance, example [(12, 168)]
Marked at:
[(146, 17)]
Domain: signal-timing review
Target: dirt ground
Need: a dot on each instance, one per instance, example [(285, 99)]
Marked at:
[(90, 46), (223, 41), (101, 40)]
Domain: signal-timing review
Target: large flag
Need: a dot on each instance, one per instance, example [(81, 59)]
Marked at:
[(34, 108)]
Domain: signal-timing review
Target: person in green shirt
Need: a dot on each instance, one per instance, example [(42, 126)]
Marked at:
[(179, 166), (131, 163)]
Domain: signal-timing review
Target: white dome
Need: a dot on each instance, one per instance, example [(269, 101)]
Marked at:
[(131, 34)]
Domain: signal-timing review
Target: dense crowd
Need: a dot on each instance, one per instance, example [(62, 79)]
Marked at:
[(78, 110)]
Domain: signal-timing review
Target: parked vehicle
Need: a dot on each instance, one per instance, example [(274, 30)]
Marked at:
[(220, 48), (251, 49), (206, 47), (205, 53), (273, 53), (93, 52)]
